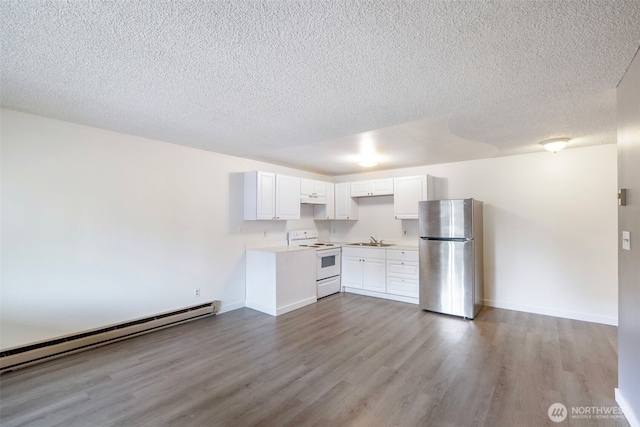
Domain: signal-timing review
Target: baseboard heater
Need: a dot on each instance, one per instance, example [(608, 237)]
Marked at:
[(21, 357)]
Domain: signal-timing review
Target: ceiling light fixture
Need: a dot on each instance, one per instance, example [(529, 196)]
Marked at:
[(554, 145), (367, 163), (368, 156)]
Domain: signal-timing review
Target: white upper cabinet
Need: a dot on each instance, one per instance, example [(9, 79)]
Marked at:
[(376, 187), (287, 197), (311, 187), (326, 211), (268, 196), (346, 207), (312, 191), (408, 191), (259, 195)]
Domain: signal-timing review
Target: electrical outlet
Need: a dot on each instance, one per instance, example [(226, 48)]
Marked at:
[(264, 233), (334, 231), (196, 292), (404, 232)]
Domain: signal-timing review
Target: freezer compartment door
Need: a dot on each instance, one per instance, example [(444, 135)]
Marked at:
[(447, 277), (446, 219)]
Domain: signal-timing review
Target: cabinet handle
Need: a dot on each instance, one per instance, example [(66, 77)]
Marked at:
[(327, 217), (277, 217), (273, 217)]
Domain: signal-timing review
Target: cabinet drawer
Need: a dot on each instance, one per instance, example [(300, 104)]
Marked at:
[(403, 269), (401, 255), (363, 252), (404, 287)]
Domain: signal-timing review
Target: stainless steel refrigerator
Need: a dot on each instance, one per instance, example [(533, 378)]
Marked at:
[(451, 263)]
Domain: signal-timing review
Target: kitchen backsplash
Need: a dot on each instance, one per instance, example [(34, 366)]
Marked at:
[(376, 220)]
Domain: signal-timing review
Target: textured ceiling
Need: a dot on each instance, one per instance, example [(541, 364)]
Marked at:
[(302, 82)]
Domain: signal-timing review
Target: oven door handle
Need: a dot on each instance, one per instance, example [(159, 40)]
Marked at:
[(322, 254)]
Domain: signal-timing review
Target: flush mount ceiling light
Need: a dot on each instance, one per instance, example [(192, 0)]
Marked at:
[(554, 145), (367, 163), (368, 156)]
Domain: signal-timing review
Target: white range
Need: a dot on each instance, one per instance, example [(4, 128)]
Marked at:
[(328, 264)]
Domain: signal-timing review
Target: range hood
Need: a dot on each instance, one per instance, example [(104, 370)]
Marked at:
[(313, 200)]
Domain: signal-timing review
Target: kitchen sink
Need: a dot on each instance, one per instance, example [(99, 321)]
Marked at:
[(375, 245)]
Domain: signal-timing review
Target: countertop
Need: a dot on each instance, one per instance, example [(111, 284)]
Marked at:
[(284, 248), (399, 246)]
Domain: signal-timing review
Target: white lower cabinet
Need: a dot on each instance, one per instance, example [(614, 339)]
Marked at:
[(403, 287), (391, 273), (351, 271), (373, 274), (279, 281), (363, 268), (402, 273)]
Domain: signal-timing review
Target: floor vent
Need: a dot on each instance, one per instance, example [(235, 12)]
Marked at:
[(21, 357)]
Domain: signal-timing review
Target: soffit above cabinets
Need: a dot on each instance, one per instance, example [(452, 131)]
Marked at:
[(302, 83)]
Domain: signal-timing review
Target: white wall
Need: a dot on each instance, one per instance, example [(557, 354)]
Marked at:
[(628, 112), (100, 227), (550, 227)]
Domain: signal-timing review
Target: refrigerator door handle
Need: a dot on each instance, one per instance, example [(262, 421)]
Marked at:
[(441, 239)]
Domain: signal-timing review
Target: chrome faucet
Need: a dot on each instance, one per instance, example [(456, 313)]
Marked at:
[(374, 240)]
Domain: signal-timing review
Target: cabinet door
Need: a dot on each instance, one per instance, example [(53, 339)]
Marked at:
[(306, 186), (352, 272), (287, 197), (408, 191), (377, 187), (361, 188), (320, 188), (266, 196), (382, 187), (346, 207), (310, 187), (326, 211), (331, 201), (373, 275)]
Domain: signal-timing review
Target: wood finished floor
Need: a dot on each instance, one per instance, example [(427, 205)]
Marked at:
[(348, 360)]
